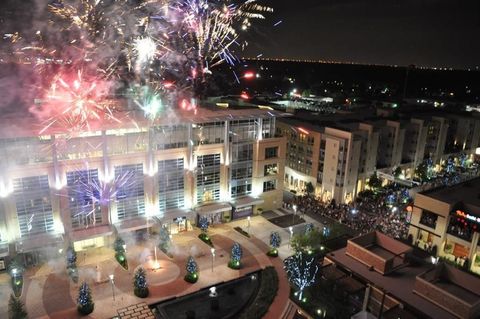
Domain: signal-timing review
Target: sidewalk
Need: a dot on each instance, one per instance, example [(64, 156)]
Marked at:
[(50, 293)]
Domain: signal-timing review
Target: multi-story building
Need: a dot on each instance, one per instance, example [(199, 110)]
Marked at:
[(223, 164), (392, 135), (326, 157), (446, 222)]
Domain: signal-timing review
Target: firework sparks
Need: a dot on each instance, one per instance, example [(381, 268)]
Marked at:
[(73, 102)]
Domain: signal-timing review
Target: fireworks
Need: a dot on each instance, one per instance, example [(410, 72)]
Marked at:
[(74, 101), (169, 46)]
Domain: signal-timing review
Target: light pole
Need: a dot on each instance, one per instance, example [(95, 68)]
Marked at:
[(294, 213), (213, 256), (248, 219), (113, 287), (291, 234), (125, 248)]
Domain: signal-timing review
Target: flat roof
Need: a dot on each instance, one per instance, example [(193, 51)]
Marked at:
[(24, 124), (399, 283), (467, 193)]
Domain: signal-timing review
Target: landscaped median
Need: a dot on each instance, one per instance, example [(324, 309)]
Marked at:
[(264, 298)]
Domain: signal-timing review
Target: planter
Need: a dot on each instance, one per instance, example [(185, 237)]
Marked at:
[(206, 239), (241, 231), (272, 252), (191, 277), (234, 264), (86, 310), (17, 285), (122, 259), (141, 293)]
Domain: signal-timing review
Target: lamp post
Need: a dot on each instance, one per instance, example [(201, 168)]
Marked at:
[(113, 287), (294, 213), (125, 248), (213, 256), (291, 234), (248, 226)]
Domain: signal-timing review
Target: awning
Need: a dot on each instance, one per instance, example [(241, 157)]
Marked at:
[(134, 224), (213, 208), (39, 241), (171, 214), (246, 201), (91, 232)]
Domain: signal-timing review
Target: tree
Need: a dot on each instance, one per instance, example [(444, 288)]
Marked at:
[(192, 270), (301, 271), (309, 188), (85, 304), (71, 257), (374, 182), (275, 241), (140, 287), (397, 172), (235, 256), (308, 242), (118, 245), (424, 170), (16, 309), (309, 227), (164, 239), (203, 223)]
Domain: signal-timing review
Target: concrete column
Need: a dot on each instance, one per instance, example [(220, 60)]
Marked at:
[(260, 129), (107, 174), (473, 248)]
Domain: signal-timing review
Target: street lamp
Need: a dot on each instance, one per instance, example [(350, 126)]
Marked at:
[(248, 219), (294, 213), (291, 234), (125, 248), (113, 287), (213, 256)]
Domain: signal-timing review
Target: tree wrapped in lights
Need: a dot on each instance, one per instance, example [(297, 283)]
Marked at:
[(192, 270), (203, 224), (449, 165), (71, 256), (301, 272), (164, 239), (16, 308), (85, 303), (374, 182), (308, 228), (424, 170), (140, 287), (235, 256), (275, 241)]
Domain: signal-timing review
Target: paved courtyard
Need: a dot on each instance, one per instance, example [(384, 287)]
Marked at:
[(49, 293)]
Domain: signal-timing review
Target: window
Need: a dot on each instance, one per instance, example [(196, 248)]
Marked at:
[(269, 185), (84, 198), (34, 209), (241, 190), (271, 152), (429, 219), (208, 178), (270, 169), (171, 184), (130, 192)]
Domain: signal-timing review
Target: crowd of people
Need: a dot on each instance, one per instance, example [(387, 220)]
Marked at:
[(363, 216)]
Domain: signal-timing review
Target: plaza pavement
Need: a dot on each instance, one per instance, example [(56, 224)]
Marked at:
[(48, 292)]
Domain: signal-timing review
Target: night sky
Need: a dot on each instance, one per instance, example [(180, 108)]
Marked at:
[(432, 33), (435, 33)]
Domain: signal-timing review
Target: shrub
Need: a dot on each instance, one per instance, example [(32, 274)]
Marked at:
[(241, 231)]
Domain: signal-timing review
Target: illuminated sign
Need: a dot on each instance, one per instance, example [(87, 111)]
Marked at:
[(468, 216)]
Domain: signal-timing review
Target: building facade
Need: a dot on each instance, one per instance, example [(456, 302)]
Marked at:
[(54, 188)]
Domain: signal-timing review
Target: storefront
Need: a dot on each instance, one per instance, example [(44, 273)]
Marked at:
[(244, 207), (215, 213), (176, 220), (91, 237), (38, 249)]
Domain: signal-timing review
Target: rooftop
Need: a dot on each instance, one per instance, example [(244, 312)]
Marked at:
[(399, 284), (25, 124), (467, 193)]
